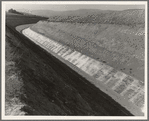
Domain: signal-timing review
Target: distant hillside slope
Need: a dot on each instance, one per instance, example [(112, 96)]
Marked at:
[(131, 17), (113, 37)]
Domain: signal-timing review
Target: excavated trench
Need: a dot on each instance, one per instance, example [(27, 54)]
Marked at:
[(49, 87), (121, 87)]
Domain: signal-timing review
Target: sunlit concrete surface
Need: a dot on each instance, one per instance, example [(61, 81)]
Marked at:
[(120, 84)]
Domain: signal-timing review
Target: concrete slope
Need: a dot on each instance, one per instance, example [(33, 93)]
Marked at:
[(126, 90)]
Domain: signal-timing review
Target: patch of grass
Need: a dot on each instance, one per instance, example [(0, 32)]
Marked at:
[(13, 81)]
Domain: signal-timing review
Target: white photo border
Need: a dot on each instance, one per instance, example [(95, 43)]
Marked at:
[(4, 3)]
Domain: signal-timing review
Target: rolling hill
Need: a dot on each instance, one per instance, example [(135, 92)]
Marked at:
[(130, 17), (113, 37)]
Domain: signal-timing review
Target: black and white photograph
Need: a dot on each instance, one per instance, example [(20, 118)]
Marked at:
[(74, 60)]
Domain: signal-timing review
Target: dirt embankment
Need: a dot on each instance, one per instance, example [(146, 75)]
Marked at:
[(14, 20), (121, 47), (38, 84)]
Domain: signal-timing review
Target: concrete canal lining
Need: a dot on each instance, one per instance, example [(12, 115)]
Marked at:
[(88, 68)]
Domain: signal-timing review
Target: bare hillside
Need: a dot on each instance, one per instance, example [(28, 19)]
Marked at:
[(122, 47), (113, 37)]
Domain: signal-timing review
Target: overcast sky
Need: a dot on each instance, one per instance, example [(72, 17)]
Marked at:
[(65, 7)]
